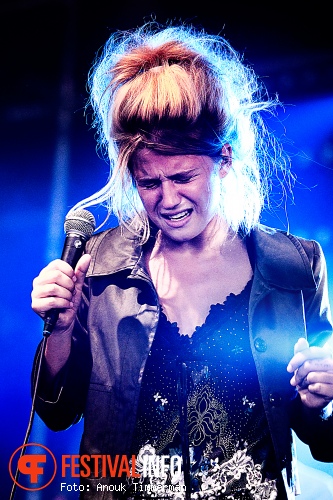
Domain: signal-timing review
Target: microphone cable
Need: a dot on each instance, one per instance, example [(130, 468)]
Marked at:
[(79, 227), (32, 414)]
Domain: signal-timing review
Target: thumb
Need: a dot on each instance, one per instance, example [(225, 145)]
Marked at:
[(301, 345), (79, 276), (82, 267)]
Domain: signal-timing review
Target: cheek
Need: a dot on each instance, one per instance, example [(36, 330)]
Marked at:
[(208, 191), (148, 199), (215, 190)]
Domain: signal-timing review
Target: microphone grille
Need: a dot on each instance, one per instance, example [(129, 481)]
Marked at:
[(80, 221)]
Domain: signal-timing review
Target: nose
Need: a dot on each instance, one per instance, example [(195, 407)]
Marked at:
[(170, 196)]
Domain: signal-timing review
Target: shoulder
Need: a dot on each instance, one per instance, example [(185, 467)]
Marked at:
[(102, 238), (284, 259), (112, 250), (277, 241)]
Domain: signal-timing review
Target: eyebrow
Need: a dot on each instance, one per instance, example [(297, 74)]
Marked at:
[(171, 177)]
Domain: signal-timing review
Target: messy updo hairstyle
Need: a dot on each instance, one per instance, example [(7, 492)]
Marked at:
[(179, 91)]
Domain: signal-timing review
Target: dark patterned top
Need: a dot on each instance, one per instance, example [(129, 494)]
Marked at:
[(200, 400)]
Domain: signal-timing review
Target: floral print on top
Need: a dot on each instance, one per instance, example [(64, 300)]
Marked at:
[(200, 405)]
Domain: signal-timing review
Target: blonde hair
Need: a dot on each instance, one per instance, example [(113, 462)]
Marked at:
[(178, 90)]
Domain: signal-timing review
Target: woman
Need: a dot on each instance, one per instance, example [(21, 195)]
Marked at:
[(190, 337)]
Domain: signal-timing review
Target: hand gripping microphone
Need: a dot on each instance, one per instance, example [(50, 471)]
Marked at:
[(79, 226)]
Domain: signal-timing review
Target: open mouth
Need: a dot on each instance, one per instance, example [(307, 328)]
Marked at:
[(179, 216)]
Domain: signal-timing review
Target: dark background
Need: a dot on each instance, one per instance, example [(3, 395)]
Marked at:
[(49, 162)]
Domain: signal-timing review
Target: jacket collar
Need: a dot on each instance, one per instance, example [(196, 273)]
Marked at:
[(277, 256), (112, 251), (280, 258)]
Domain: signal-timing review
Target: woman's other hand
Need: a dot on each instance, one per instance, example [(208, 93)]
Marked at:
[(313, 374)]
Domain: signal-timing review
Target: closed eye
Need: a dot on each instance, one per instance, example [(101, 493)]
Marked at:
[(179, 178), (148, 183), (183, 179)]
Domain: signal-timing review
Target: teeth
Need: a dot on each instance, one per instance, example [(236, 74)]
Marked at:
[(179, 216)]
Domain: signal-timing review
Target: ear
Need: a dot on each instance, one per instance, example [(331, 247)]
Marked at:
[(226, 161)]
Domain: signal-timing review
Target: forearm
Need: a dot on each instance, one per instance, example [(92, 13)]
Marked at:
[(57, 351), (63, 380)]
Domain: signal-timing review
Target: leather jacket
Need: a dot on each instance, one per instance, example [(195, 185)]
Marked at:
[(115, 329)]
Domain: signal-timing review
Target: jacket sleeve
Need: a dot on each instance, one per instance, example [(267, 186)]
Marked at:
[(316, 304), (314, 427), (60, 402)]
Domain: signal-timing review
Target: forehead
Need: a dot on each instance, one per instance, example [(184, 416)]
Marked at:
[(147, 162)]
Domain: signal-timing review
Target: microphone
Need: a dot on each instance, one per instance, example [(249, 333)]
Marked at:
[(79, 226)]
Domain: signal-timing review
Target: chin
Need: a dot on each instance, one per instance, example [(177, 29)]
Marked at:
[(181, 236)]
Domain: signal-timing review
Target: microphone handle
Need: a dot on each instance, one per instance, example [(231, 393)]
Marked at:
[(73, 249)]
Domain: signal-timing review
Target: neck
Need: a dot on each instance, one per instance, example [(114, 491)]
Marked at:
[(214, 238)]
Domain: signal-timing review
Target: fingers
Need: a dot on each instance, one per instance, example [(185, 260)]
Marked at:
[(302, 353), (313, 374), (312, 399), (53, 287), (319, 382), (317, 389), (310, 371), (57, 285)]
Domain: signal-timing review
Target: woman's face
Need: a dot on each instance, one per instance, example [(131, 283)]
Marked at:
[(180, 193)]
